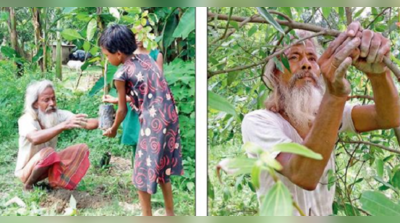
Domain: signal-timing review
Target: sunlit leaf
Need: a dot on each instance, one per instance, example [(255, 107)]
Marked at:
[(277, 201), (270, 19), (378, 204), (295, 148)]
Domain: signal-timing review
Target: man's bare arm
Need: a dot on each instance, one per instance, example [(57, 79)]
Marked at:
[(45, 135), (385, 113), (306, 172)]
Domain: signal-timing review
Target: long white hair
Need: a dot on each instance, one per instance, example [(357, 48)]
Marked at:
[(32, 95)]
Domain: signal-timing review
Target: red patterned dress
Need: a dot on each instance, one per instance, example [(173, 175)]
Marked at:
[(158, 153)]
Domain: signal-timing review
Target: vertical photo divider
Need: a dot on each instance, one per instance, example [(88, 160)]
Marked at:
[(201, 111)]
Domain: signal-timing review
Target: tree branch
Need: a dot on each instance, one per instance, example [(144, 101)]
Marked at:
[(371, 144), (349, 15), (213, 73), (295, 25)]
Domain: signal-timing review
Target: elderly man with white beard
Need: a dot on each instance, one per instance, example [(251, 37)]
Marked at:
[(308, 106), (39, 128)]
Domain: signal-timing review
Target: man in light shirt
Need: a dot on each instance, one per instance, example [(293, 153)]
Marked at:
[(308, 106), (39, 128)]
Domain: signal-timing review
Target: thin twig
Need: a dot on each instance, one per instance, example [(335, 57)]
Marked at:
[(360, 97), (295, 205), (383, 11), (372, 144)]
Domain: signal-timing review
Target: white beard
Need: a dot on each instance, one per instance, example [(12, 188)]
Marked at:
[(301, 104), (48, 120)]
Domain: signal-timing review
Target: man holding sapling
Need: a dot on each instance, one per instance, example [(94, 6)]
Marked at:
[(39, 128), (308, 106)]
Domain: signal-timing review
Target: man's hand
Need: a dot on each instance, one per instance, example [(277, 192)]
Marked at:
[(373, 48), (111, 133), (76, 121), (110, 99), (337, 59)]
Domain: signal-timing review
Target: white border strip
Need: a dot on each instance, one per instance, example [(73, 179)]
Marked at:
[(201, 111)]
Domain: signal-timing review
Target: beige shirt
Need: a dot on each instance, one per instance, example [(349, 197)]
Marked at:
[(26, 125), (267, 129)]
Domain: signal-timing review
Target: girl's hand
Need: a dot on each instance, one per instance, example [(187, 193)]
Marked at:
[(110, 99), (111, 133)]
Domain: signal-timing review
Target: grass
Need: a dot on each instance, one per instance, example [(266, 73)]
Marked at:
[(102, 191), (234, 197)]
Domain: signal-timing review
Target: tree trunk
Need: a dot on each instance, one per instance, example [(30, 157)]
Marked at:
[(12, 28), (58, 53), (44, 40), (38, 33)]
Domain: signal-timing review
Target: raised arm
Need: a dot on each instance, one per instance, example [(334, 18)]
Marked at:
[(334, 63), (385, 113)]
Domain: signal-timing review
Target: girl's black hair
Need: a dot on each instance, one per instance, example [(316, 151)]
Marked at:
[(118, 38)]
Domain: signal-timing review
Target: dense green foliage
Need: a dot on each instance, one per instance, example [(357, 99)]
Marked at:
[(366, 176), (102, 191)]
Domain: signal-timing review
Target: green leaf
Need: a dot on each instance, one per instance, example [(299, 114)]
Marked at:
[(234, 24), (8, 52), (186, 24), (295, 148), (210, 189), (358, 13), (270, 161), (91, 29), (241, 165), (270, 19), (252, 30), (71, 34), (219, 103), (378, 204), (285, 62), (255, 175), (351, 210), (326, 11), (396, 179), (287, 11), (277, 202), (39, 55), (97, 86), (190, 186), (278, 64), (252, 148), (169, 29), (85, 65), (68, 10), (4, 16), (86, 46), (379, 167), (227, 194)]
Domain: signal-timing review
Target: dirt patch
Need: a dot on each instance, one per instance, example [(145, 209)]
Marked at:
[(59, 199), (119, 166)]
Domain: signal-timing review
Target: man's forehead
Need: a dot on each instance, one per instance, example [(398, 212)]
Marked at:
[(48, 92), (307, 46)]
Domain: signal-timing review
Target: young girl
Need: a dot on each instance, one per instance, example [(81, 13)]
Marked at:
[(158, 153), (131, 125)]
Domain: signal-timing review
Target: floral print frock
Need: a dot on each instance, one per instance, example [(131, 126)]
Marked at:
[(158, 153)]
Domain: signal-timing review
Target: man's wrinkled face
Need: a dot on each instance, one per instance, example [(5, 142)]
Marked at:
[(46, 101), (303, 64)]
